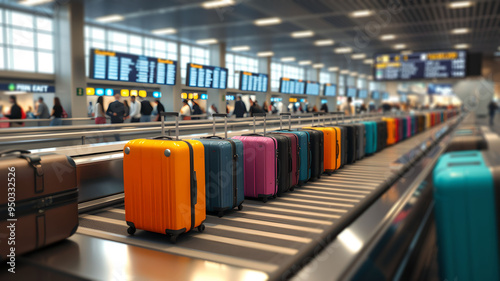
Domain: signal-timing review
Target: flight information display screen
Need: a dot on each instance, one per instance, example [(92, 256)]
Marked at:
[(424, 65), (385, 96), (330, 90), (254, 82), (205, 76), (114, 66), (312, 88), (375, 95), (362, 94), (292, 86), (351, 92)]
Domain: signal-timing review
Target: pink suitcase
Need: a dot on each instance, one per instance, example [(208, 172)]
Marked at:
[(408, 127)]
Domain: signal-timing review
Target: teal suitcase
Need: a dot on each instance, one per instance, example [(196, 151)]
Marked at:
[(466, 196)]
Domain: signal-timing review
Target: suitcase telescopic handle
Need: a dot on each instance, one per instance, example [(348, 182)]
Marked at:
[(289, 120), (165, 114), (254, 118), (223, 115), (12, 151)]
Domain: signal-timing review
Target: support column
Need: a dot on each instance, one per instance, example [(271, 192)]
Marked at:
[(265, 68), (70, 56), (215, 96)]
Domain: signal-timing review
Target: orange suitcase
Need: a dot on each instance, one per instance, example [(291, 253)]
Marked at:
[(331, 147), (164, 184), (391, 130)]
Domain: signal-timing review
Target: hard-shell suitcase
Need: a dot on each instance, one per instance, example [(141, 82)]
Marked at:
[(400, 127), (331, 149), (341, 134), (304, 151), (38, 202), (467, 142), (391, 131), (350, 144), (371, 137), (164, 184), (408, 126), (421, 123), (287, 161), (316, 145), (261, 165), (381, 135), (361, 140), (224, 171), (466, 194)]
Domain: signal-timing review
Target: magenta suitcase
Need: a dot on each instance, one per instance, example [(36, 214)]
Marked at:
[(294, 153), (408, 127), (260, 166)]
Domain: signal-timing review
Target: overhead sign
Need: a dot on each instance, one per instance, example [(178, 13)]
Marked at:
[(28, 87), (292, 86), (254, 82), (205, 76), (312, 88), (330, 89)]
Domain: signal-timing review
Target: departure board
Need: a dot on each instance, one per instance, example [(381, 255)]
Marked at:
[(312, 88), (351, 92), (204, 76), (375, 95), (330, 90), (253, 82), (385, 96), (424, 65), (292, 86), (362, 94), (114, 66)]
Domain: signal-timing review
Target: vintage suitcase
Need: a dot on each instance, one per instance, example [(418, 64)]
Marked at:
[(39, 201), (467, 197), (224, 175), (164, 180), (261, 164)]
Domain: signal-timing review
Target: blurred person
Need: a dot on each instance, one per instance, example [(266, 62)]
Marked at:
[(99, 113), (265, 107), (29, 113), (386, 107), (324, 108), (42, 110), (159, 108), (90, 110), (239, 108), (127, 109), (15, 112), (135, 110), (492, 108), (274, 109), (196, 109), (362, 108), (57, 112), (146, 110), (212, 110), (255, 108), (185, 111), (348, 107), (117, 112)]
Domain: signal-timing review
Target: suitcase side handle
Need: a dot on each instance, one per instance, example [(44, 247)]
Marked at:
[(12, 151), (165, 114), (225, 123)]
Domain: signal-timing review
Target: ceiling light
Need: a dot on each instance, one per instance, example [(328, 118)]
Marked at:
[(240, 48), (399, 46), (207, 41), (334, 68), (362, 13), (460, 4), (388, 37), (326, 42), (34, 2), (354, 73), (343, 50), (361, 76), (110, 18), (358, 56), (462, 46), (345, 71), (460, 31), (288, 59), (164, 31), (305, 62), (217, 4), (318, 65), (407, 52), (302, 34), (267, 21), (265, 54), (368, 61)]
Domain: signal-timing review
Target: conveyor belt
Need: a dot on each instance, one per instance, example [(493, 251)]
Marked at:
[(272, 236)]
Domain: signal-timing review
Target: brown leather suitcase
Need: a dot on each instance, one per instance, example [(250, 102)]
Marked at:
[(38, 201)]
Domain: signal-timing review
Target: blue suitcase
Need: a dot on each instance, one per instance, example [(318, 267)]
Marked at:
[(466, 192), (304, 149), (371, 137), (224, 169)]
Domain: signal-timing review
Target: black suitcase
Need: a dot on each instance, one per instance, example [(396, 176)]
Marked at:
[(381, 135), (39, 199), (349, 142), (317, 153), (284, 162), (360, 140)]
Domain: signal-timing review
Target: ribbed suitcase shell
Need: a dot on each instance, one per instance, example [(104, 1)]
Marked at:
[(391, 131), (295, 157), (350, 143), (381, 135), (304, 161), (361, 141), (161, 195), (285, 166), (317, 153), (408, 126), (371, 137), (330, 148), (224, 170), (466, 213), (260, 156)]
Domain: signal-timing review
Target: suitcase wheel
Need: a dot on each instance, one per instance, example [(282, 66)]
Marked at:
[(264, 199), (220, 214), (201, 227), (275, 195), (131, 230), (172, 239), (292, 188), (240, 207)]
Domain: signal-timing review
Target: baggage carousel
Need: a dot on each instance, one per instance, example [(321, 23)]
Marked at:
[(264, 241)]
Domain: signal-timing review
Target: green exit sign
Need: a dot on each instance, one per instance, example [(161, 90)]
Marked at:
[(79, 91)]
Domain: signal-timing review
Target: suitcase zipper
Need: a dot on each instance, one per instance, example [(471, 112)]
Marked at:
[(235, 179), (193, 183)]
